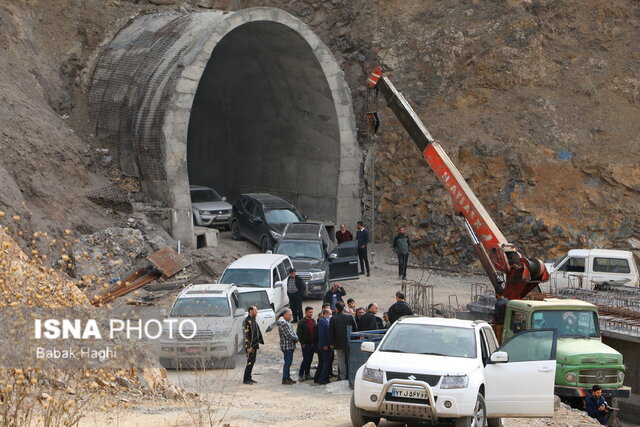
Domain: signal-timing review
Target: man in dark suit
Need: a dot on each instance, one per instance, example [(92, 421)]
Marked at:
[(399, 309), (252, 341), (339, 338), (362, 236), (370, 321)]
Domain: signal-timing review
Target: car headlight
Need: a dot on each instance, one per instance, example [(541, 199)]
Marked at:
[(373, 375), (275, 235), (570, 377), (455, 381), (621, 376), (318, 275)]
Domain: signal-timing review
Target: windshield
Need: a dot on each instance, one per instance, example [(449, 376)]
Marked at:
[(569, 323), (430, 339), (297, 249), (247, 277), (282, 216), (258, 298), (201, 307), (558, 262), (201, 196)]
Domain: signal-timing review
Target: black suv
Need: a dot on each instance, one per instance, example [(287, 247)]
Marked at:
[(261, 218), (316, 258)]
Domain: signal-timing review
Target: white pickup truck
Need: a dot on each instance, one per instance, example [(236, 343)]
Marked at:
[(426, 369), (582, 268)]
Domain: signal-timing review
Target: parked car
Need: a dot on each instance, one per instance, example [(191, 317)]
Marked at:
[(430, 369), (585, 267), (261, 218), (316, 258), (217, 313), (262, 271), (208, 208), (260, 299)]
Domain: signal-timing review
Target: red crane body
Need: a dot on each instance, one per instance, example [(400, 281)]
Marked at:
[(510, 274)]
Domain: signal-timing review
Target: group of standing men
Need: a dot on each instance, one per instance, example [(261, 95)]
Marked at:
[(328, 336), (401, 246)]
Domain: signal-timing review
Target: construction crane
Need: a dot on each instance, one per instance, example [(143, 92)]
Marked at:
[(510, 273)]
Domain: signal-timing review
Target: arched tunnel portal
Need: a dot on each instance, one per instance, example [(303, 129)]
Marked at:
[(250, 101)]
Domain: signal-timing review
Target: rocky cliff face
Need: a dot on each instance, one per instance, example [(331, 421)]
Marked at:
[(536, 101)]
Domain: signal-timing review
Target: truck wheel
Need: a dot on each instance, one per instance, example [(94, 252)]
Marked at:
[(495, 422), (357, 418), (235, 231), (479, 417)]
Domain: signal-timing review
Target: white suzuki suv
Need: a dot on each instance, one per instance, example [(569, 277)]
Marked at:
[(426, 369)]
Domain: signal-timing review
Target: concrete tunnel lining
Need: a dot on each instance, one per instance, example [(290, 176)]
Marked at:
[(157, 84)]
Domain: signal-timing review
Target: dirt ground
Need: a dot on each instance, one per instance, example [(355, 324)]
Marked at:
[(224, 400)]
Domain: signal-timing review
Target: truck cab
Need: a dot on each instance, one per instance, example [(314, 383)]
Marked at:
[(582, 359), (581, 268)]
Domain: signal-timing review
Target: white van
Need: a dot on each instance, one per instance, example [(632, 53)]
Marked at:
[(582, 268), (262, 271)]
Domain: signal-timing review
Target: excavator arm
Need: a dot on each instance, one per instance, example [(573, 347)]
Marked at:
[(509, 272)]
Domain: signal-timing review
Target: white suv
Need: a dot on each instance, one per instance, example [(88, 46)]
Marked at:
[(262, 271), (218, 315), (430, 368)]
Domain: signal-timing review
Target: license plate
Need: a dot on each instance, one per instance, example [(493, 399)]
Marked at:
[(409, 392), (193, 350), (222, 217)]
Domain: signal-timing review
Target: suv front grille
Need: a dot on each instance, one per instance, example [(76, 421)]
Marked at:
[(304, 275), (201, 335), (432, 380), (598, 376)]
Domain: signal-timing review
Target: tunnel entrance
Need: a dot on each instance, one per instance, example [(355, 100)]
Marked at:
[(249, 101), (263, 120)]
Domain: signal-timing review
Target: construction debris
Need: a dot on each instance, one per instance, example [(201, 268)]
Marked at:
[(168, 261)]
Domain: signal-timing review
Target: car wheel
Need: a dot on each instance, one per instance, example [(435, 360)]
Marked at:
[(265, 244), (235, 231), (195, 221), (358, 419), (495, 422), (479, 417)]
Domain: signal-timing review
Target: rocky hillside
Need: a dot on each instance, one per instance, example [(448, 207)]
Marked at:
[(536, 101)]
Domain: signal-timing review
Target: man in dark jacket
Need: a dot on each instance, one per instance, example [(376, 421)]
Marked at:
[(597, 406), (324, 350), (370, 321), (338, 337), (402, 246), (333, 295), (295, 291), (362, 236), (306, 333), (343, 235), (399, 309), (252, 341)]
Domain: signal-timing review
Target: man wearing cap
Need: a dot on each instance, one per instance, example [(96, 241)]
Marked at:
[(295, 290), (399, 309)]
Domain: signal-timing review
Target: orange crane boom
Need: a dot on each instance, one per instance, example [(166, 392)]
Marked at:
[(509, 272)]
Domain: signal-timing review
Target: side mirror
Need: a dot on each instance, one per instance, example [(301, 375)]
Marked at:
[(499, 357), (368, 347), (305, 217), (224, 198), (239, 312), (269, 252), (333, 255), (163, 312), (278, 284)]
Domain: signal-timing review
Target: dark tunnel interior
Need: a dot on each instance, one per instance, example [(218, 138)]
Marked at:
[(264, 120)]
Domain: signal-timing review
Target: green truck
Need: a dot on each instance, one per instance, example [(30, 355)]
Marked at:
[(582, 359)]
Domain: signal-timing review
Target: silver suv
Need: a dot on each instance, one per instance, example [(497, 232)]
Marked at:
[(218, 315)]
